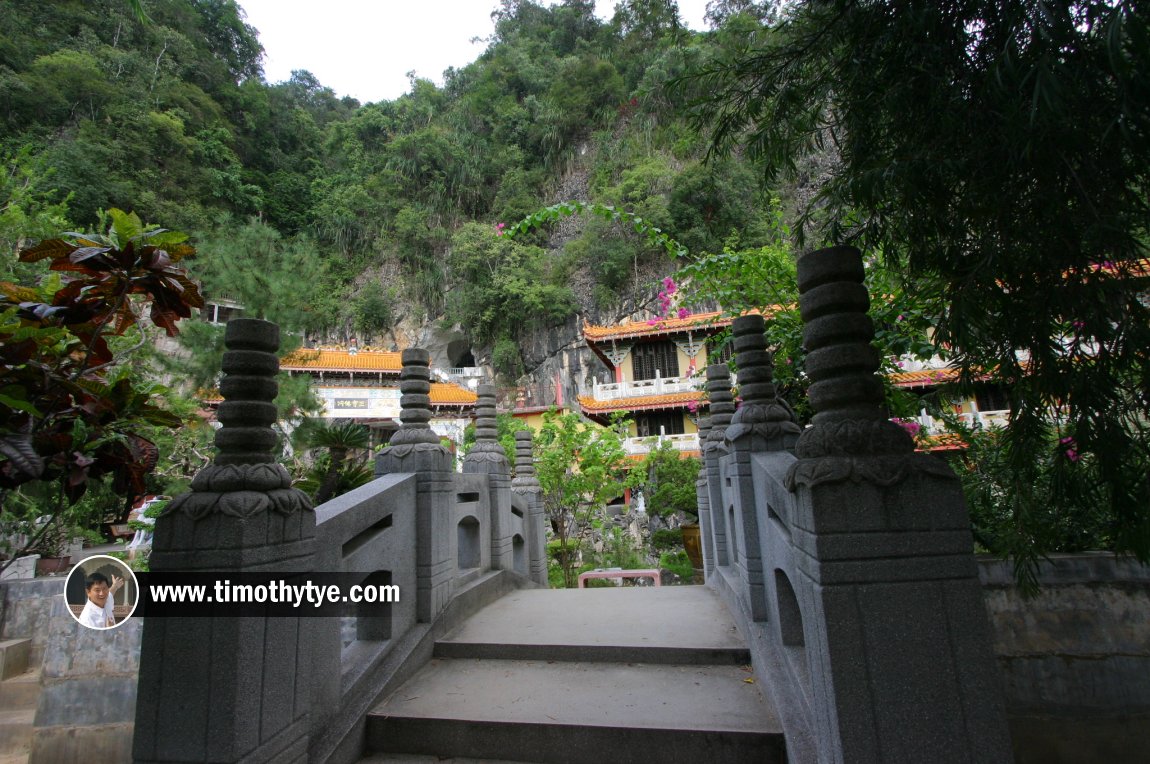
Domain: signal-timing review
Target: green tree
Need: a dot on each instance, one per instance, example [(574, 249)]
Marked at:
[(1062, 506), (276, 278), (501, 283), (1008, 174), (28, 212), (580, 467)]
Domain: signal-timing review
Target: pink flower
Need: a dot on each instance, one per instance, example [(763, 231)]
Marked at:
[(683, 312), (669, 285), (912, 428), (1078, 324), (652, 321), (900, 364), (1069, 439), (1072, 455), (499, 228), (901, 317), (692, 406)]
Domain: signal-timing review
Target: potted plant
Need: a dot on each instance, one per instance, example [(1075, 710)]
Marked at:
[(50, 543)]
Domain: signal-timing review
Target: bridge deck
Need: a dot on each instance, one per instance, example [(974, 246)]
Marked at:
[(669, 624), (592, 675)]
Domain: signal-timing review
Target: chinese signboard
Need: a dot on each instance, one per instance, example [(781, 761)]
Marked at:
[(359, 402)]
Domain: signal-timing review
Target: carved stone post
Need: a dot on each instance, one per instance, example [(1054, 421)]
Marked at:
[(894, 624), (762, 423), (231, 688), (526, 484), (416, 449), (714, 449), (703, 501), (486, 457)]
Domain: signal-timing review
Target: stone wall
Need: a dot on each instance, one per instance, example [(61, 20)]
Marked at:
[(25, 610), (87, 677), (87, 691), (1075, 659)]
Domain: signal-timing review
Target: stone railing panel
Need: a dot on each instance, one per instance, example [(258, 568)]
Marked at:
[(488, 458), (472, 500), (528, 493), (371, 531), (519, 531)]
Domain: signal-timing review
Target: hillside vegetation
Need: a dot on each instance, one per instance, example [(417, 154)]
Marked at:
[(387, 210)]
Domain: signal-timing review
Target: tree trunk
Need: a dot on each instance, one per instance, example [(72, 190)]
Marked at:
[(331, 478)]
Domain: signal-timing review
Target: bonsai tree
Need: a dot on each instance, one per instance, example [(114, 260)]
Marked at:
[(669, 484)]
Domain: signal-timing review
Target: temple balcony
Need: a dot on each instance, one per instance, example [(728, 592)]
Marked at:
[(644, 387), (467, 376), (645, 445), (982, 419), (909, 363)]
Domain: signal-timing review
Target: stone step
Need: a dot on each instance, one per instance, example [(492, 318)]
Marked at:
[(15, 655), (671, 624), (570, 712), (415, 758), (20, 693), (16, 731)]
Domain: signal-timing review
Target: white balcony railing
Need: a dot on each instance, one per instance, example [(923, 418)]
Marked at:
[(468, 376), (910, 363), (984, 419), (644, 387), (640, 446)]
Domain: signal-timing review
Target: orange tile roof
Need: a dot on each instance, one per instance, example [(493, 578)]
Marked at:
[(923, 378), (657, 326), (682, 455), (450, 394), (1135, 268), (629, 329), (322, 359), (947, 441), (639, 403)]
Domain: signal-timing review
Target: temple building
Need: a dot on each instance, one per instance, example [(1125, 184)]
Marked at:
[(988, 406), (362, 385), (657, 371), (657, 368)]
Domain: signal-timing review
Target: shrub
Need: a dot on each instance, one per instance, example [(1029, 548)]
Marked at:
[(667, 538), (679, 564)]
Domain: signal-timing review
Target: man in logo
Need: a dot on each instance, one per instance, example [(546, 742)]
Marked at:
[(98, 612)]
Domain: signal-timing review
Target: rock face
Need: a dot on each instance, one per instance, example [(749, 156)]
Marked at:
[(557, 364)]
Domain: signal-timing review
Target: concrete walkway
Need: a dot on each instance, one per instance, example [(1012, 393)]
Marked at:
[(637, 674)]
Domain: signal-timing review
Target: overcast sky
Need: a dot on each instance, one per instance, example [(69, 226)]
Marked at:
[(365, 48)]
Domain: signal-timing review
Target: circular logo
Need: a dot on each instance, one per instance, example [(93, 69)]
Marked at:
[(101, 592)]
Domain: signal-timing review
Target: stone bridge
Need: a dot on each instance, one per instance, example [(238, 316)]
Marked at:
[(841, 620)]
